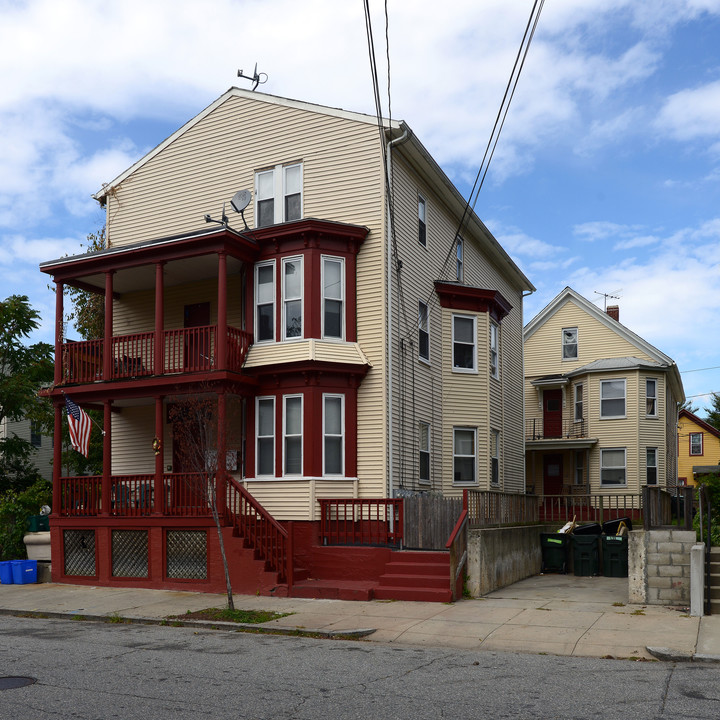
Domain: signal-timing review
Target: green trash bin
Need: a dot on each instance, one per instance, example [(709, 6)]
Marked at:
[(615, 555), (586, 555), (38, 523), (555, 548)]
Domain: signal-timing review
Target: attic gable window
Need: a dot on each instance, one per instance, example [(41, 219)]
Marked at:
[(278, 195), (570, 344)]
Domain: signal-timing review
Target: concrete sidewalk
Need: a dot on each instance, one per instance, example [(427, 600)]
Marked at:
[(554, 614)]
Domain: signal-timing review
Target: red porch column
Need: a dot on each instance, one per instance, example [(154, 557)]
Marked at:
[(57, 457), (221, 480), (221, 343), (59, 290), (159, 359), (159, 493), (107, 339), (107, 457)]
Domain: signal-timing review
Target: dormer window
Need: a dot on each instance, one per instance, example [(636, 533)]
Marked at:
[(278, 195), (570, 344)]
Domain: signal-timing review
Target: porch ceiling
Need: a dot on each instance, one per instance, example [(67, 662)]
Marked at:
[(561, 444)]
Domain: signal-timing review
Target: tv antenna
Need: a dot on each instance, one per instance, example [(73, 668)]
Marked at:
[(257, 78), (223, 221), (612, 295)]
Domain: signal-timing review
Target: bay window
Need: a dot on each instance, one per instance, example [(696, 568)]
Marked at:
[(265, 433), (464, 348), (292, 434), (333, 428), (613, 466), (612, 398), (333, 289), (292, 298), (265, 302), (464, 455)]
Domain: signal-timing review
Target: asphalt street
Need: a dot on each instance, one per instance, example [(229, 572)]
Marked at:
[(90, 670)]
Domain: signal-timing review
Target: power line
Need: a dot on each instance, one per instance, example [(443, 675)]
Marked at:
[(716, 367)]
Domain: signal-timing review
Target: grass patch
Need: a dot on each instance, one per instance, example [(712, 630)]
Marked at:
[(115, 618), (618, 604), (77, 617), (639, 611), (237, 616)]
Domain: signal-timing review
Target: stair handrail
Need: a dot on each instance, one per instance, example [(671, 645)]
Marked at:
[(704, 500), (457, 542), (273, 541)]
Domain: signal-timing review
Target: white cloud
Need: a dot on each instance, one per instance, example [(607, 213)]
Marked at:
[(692, 114)]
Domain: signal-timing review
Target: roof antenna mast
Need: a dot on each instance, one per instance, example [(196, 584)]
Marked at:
[(610, 295), (257, 78)]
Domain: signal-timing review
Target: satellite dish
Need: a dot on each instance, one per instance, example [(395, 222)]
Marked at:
[(241, 200)]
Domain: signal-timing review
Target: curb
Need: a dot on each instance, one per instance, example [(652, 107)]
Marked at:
[(670, 655), (259, 628)]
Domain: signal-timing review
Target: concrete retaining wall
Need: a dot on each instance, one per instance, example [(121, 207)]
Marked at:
[(501, 556), (659, 566)]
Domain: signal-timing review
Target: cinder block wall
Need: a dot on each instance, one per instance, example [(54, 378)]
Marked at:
[(659, 566)]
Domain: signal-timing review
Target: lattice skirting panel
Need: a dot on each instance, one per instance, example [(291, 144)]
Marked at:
[(79, 552), (186, 553), (130, 553)]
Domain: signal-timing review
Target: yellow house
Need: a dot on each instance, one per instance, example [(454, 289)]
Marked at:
[(355, 328), (600, 403), (698, 448)]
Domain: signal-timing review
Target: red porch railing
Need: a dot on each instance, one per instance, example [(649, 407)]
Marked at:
[(131, 495), (367, 521), (260, 531), (80, 496), (187, 494), (186, 350)]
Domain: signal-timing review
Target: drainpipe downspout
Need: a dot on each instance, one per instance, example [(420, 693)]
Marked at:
[(392, 143), (522, 330)]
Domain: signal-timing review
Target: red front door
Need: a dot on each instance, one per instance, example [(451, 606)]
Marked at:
[(552, 474), (552, 413)]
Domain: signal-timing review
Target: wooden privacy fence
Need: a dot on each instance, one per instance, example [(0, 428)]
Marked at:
[(429, 521), (660, 506), (492, 508)]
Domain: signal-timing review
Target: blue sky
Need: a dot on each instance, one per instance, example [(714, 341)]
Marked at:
[(606, 177)]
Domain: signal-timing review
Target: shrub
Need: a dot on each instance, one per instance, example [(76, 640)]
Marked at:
[(712, 483), (15, 508)]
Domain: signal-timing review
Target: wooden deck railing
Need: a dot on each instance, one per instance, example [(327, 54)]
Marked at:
[(588, 508), (368, 521), (492, 508), (80, 496), (186, 350), (261, 531)]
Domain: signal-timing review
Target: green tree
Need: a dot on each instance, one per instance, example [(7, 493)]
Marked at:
[(15, 508), (711, 483), (24, 369), (713, 415), (88, 308), (688, 405)]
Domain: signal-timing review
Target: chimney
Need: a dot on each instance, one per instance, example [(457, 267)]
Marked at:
[(614, 312)]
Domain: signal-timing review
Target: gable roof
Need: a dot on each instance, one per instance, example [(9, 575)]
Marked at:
[(569, 295), (405, 141)]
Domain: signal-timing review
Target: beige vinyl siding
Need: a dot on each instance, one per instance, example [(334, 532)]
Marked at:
[(311, 349), (133, 430), (543, 350), (652, 431)]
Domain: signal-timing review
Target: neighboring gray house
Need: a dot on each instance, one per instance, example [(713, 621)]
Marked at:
[(43, 444)]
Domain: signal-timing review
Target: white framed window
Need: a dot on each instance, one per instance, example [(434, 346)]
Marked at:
[(278, 194), (265, 302), (292, 434), (651, 463), (494, 350), (651, 404), (579, 467), (696, 443), (495, 457), (265, 435), (464, 455), (460, 259), (613, 464), (464, 334), (424, 452), (292, 271), (579, 409), (423, 331), (333, 434), (333, 298), (422, 227), (612, 398), (570, 343)]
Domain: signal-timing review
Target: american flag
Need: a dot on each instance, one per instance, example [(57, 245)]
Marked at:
[(79, 424)]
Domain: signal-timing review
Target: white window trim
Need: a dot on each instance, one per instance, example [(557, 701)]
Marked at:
[(474, 369), (577, 402), (648, 466), (494, 349), (285, 434), (279, 191), (425, 427), (422, 358), (494, 456), (577, 345), (341, 260), (257, 435), (613, 467), (651, 380), (265, 263), (702, 443), (342, 435), (473, 430), (613, 417), (285, 299)]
